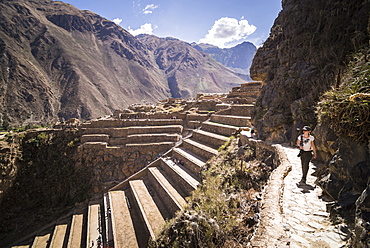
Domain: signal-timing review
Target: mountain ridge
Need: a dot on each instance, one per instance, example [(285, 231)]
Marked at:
[(181, 62), (59, 62), (238, 58)]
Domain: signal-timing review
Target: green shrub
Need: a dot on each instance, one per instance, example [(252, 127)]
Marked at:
[(41, 138), (73, 143), (347, 108)]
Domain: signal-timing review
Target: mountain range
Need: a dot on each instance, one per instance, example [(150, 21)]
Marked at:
[(238, 58), (58, 62)]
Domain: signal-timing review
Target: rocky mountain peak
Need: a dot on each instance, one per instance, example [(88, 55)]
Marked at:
[(238, 58), (58, 62), (182, 63)]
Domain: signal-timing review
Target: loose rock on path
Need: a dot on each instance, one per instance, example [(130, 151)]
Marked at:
[(294, 215)]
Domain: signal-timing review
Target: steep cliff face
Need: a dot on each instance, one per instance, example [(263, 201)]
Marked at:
[(305, 56), (188, 70), (315, 68)]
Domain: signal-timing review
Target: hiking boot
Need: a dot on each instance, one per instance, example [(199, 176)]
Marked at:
[(302, 182)]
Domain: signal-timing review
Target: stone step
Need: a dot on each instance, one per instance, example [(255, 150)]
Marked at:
[(112, 123), (93, 225), (94, 138), (245, 109), (191, 161), (75, 233), (124, 131), (151, 144), (149, 211), (153, 138), (239, 121), (163, 146), (200, 149), (122, 224), (41, 241), (95, 145), (197, 117), (178, 176), (155, 129), (243, 99), (59, 235), (168, 194), (222, 129), (108, 230), (111, 131), (211, 139), (117, 141), (251, 93)]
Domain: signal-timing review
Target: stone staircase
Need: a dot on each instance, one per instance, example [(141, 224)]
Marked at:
[(134, 211)]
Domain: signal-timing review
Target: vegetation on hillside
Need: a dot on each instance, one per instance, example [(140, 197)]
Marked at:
[(347, 108), (5, 127), (223, 211)]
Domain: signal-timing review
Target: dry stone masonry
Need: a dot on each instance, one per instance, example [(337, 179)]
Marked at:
[(157, 157), (145, 165)]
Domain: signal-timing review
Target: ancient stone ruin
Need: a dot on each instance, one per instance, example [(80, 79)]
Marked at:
[(146, 164)]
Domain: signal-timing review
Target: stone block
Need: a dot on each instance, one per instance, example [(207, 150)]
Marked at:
[(95, 138), (152, 138), (239, 121)]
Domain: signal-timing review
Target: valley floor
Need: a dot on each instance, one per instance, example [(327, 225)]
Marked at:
[(295, 215)]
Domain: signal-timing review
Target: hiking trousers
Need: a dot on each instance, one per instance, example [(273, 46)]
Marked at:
[(306, 157)]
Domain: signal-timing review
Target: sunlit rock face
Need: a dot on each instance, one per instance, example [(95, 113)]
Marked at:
[(303, 57)]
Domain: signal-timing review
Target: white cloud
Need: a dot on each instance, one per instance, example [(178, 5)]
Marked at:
[(144, 29), (226, 30), (149, 9), (117, 21)]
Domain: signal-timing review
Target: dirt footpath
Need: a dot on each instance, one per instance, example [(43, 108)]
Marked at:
[(294, 215)]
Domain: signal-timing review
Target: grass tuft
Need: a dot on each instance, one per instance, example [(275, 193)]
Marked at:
[(223, 211), (347, 108)]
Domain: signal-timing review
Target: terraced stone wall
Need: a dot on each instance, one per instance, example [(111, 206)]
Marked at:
[(143, 115), (240, 122), (112, 123), (114, 164), (112, 132), (238, 110)]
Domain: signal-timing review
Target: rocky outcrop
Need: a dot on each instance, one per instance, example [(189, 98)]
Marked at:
[(309, 52), (304, 56), (344, 177)]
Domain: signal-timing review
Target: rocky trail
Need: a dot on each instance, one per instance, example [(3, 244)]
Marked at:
[(294, 215)]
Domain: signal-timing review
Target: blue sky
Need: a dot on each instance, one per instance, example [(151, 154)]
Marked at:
[(224, 23)]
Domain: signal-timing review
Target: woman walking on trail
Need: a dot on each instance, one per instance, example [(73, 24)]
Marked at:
[(306, 145)]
